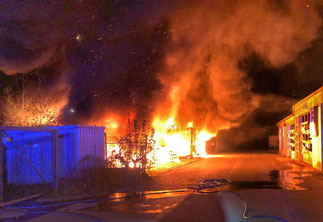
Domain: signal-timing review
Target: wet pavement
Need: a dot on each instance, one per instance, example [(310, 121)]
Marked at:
[(270, 184)]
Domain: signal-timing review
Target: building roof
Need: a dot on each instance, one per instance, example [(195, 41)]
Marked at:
[(309, 96), (286, 118)]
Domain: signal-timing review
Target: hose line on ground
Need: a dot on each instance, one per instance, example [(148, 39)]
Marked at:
[(100, 199), (202, 186), (92, 218), (208, 185), (245, 208)]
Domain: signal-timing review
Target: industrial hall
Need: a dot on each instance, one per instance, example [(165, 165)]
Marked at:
[(300, 134)]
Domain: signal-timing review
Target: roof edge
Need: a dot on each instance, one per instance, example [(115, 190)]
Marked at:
[(312, 94), (76, 126), (287, 117)]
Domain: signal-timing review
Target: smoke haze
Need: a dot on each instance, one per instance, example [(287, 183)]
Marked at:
[(210, 38), (188, 59)]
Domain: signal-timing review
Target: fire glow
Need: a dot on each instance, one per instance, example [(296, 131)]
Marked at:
[(175, 141), (172, 142), (191, 85)]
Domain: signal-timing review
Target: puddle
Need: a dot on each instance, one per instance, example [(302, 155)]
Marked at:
[(248, 185), (163, 201), (292, 179), (148, 195), (146, 202), (157, 211)]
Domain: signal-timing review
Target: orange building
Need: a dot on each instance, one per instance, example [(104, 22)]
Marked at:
[(300, 134)]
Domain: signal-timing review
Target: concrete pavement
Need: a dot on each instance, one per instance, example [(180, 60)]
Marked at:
[(270, 184)]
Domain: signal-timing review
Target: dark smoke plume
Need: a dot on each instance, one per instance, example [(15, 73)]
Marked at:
[(111, 59), (202, 72)]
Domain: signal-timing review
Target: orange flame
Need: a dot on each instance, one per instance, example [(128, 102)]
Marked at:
[(172, 139)]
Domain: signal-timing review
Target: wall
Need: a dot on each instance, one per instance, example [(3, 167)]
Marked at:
[(312, 105), (78, 147), (37, 147), (308, 131)]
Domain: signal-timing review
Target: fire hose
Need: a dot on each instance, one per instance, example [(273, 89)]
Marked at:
[(202, 186), (208, 186)]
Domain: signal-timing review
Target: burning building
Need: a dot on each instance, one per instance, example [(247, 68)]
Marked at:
[(183, 141), (300, 134), (161, 142)]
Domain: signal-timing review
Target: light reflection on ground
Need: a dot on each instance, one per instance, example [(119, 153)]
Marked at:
[(149, 194), (147, 202), (293, 178), (246, 179)]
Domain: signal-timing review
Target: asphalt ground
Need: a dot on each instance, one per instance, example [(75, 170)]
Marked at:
[(270, 184)]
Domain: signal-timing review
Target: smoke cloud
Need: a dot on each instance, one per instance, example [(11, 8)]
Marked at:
[(98, 57), (108, 60), (32, 41), (202, 77), (27, 40)]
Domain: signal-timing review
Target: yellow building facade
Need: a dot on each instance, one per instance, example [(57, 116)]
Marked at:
[(300, 134)]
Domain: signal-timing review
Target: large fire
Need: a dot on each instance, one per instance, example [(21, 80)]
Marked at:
[(171, 142), (174, 141)]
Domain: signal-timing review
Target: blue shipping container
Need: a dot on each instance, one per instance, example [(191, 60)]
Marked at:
[(37, 147), (75, 145)]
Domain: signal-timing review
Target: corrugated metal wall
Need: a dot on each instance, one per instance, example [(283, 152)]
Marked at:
[(77, 143), (37, 147), (91, 142), (67, 149), (78, 147)]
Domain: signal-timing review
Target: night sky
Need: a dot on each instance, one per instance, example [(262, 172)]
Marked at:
[(109, 56)]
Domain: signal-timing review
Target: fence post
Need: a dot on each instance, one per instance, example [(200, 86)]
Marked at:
[(55, 162), (1, 171)]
